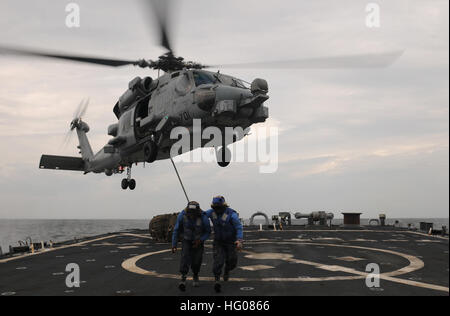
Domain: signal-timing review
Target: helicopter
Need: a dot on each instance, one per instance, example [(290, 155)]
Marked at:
[(151, 108)]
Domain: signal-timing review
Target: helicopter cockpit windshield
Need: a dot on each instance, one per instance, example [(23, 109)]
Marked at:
[(202, 78), (231, 81)]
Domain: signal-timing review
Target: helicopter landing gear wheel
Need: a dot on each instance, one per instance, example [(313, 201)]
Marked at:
[(132, 184), (223, 157), (128, 183), (150, 151)]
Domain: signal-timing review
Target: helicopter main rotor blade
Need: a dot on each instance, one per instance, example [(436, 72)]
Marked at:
[(380, 60), (83, 59), (162, 11)]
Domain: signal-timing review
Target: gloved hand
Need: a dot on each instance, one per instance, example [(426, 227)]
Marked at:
[(239, 245), (197, 243), (174, 249)]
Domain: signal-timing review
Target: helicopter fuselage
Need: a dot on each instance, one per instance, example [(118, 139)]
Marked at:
[(175, 100), (150, 111)]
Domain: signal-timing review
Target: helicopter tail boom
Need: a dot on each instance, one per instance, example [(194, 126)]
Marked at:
[(85, 146)]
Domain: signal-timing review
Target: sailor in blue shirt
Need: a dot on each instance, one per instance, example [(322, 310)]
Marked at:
[(228, 238), (194, 227)]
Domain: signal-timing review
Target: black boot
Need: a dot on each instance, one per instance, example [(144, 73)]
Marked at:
[(226, 276), (182, 284), (217, 286), (196, 282)]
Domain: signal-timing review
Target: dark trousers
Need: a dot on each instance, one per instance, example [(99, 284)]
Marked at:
[(225, 253), (191, 258)]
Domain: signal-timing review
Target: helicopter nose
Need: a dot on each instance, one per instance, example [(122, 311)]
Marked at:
[(245, 103), (228, 93)]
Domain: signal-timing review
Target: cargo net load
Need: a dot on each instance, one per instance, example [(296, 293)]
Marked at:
[(161, 227)]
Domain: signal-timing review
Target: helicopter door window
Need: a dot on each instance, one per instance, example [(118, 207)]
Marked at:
[(202, 78)]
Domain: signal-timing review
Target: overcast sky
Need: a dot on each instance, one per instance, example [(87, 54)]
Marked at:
[(350, 140)]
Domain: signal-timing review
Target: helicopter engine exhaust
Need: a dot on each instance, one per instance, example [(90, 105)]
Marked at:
[(137, 88)]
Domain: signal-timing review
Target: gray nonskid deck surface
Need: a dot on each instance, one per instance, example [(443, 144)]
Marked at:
[(290, 262)]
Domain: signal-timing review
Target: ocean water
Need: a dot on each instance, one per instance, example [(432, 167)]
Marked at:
[(13, 230)]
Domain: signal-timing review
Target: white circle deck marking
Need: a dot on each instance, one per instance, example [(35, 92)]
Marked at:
[(78, 284), (258, 267), (415, 279), (414, 265), (269, 256), (8, 293), (247, 288), (122, 292)]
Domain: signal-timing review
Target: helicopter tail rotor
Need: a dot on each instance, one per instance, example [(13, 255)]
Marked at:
[(77, 122)]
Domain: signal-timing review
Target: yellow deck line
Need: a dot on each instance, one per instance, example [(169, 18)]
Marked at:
[(137, 235)]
